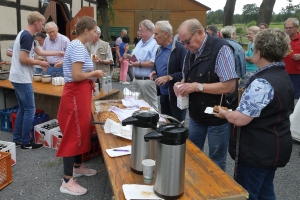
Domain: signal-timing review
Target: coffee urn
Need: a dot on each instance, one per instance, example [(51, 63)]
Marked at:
[(143, 122), (170, 160)]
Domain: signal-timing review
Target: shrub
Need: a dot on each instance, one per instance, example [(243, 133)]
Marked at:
[(252, 23), (239, 30)]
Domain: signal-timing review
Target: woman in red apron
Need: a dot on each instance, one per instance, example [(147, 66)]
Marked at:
[(74, 114)]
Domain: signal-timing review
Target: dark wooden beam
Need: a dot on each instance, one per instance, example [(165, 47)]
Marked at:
[(4, 37)]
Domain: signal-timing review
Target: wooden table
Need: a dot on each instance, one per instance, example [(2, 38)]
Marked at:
[(203, 179), (47, 96)]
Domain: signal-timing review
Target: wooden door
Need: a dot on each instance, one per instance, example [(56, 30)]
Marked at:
[(84, 11), (158, 15)]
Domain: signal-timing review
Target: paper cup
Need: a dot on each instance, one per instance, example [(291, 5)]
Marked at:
[(148, 170)]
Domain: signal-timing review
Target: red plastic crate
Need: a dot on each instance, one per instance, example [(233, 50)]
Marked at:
[(13, 118), (95, 147)]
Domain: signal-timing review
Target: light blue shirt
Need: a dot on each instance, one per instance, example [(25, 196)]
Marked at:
[(145, 51)]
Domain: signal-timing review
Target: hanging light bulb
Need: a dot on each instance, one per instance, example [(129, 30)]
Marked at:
[(44, 2)]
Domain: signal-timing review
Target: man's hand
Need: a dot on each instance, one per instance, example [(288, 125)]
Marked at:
[(152, 75), (162, 80), (134, 64), (187, 88), (58, 64), (61, 53), (296, 56), (44, 64), (176, 88)]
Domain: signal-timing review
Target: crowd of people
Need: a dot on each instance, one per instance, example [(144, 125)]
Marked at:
[(206, 65)]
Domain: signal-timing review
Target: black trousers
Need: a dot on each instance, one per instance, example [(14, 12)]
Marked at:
[(69, 163)]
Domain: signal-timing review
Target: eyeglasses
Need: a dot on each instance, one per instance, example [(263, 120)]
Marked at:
[(287, 28), (187, 42)]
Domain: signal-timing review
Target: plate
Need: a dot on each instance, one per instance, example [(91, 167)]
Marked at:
[(210, 110)]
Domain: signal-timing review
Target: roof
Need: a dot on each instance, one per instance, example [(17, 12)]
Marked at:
[(208, 8)]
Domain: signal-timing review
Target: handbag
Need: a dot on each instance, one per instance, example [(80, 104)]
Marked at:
[(115, 74)]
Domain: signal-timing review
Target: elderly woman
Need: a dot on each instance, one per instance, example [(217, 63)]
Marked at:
[(265, 141)]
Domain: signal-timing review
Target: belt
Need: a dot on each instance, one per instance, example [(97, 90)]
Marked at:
[(141, 78)]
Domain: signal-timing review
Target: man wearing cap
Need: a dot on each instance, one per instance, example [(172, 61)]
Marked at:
[(102, 50)]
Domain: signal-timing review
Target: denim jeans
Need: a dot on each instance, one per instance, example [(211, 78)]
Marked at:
[(257, 181), (38, 70), (170, 108), (52, 69), (25, 115), (218, 140)]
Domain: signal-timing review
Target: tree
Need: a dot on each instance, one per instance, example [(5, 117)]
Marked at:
[(265, 12), (107, 13), (228, 12), (215, 17), (250, 12)]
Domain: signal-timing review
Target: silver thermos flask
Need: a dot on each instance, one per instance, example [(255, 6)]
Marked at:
[(143, 123), (170, 160)]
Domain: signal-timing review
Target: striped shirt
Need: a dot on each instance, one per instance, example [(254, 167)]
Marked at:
[(76, 52), (225, 66)]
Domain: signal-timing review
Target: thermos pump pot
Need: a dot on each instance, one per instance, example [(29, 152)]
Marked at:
[(170, 160), (143, 122)]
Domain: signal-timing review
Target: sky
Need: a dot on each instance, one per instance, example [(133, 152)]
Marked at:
[(219, 4)]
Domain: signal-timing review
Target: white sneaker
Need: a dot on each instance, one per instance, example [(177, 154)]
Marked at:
[(72, 187), (120, 81), (125, 83)]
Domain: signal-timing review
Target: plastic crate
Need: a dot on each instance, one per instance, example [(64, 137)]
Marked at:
[(10, 148), (95, 147), (6, 119), (43, 135), (56, 137), (5, 169)]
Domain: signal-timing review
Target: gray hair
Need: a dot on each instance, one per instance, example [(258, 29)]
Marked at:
[(50, 24), (98, 30), (192, 25), (147, 24), (273, 44), (165, 26), (214, 29), (294, 20), (228, 31), (254, 29), (124, 31)]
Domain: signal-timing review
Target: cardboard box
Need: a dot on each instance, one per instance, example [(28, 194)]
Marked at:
[(42, 135), (10, 148), (183, 102)]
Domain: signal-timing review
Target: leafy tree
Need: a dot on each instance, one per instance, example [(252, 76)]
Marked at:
[(250, 12), (107, 14), (215, 17)]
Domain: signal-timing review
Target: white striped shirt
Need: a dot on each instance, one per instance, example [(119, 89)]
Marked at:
[(76, 52)]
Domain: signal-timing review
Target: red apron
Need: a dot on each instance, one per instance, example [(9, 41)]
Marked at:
[(74, 117)]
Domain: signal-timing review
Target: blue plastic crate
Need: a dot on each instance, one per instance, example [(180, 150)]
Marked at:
[(6, 119)]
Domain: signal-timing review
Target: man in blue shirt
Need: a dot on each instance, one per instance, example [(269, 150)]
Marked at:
[(145, 53), (168, 68)]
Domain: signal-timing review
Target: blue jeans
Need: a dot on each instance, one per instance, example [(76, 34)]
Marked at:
[(25, 115), (170, 108), (52, 69), (218, 140), (257, 181), (38, 70), (295, 78)]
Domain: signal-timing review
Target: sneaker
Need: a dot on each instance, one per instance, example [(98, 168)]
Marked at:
[(18, 144), (83, 171), (72, 187), (125, 83), (32, 145), (120, 81)]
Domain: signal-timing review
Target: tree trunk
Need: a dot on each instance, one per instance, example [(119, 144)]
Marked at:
[(105, 23), (228, 12), (265, 12)]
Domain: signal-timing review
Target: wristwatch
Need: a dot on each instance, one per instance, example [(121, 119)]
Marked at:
[(170, 77), (140, 64), (201, 87)]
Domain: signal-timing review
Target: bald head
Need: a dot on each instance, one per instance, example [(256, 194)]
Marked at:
[(191, 25)]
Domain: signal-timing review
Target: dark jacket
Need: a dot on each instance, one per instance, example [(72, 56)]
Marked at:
[(174, 67), (203, 71), (266, 141)]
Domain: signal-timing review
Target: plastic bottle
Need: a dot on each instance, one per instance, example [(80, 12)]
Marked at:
[(96, 89), (109, 83), (104, 85)]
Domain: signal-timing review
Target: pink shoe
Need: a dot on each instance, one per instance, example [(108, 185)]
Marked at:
[(83, 171), (72, 187)]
